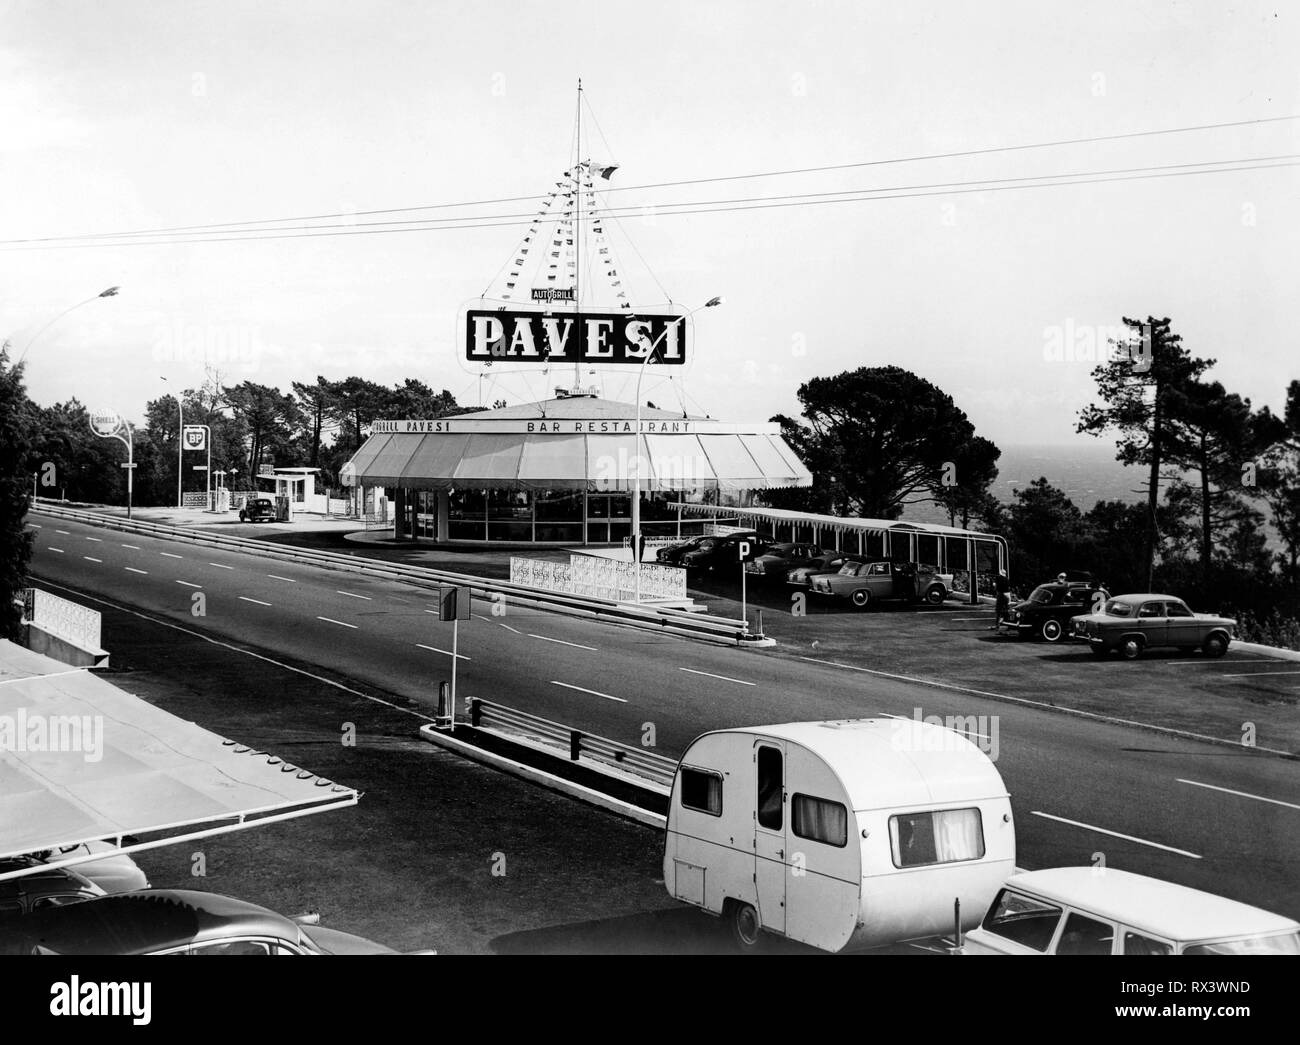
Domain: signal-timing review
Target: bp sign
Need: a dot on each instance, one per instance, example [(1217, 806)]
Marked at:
[(195, 437), (105, 423)]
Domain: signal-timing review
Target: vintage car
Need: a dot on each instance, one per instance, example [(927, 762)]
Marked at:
[(115, 873), (724, 551), (258, 509), (775, 563), (1133, 623), (1087, 910), (1047, 612), (48, 887), (867, 582), (827, 562), (174, 921), (671, 554)]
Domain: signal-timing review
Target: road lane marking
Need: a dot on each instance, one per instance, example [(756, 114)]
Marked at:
[(963, 620), (64, 532), (1243, 794), (338, 622), (190, 584), (277, 577), (1252, 674), (562, 642), (509, 628), (259, 602), (593, 692), (236, 649), (481, 617), (133, 547), (97, 540), (92, 559), (132, 569), (444, 652), (36, 526), (1115, 834), (1044, 705), (172, 555), (351, 596), (59, 550), (724, 678), (220, 567)]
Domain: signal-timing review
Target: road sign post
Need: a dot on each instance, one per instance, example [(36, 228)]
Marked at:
[(109, 424), (744, 551), (453, 605)]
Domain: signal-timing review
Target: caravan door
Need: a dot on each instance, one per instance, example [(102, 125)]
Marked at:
[(770, 816)]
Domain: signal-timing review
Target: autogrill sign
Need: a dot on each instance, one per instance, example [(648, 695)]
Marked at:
[(585, 337)]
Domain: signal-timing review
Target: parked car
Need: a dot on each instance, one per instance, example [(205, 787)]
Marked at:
[(117, 873), (173, 921), (867, 582), (827, 562), (1081, 910), (776, 563), (671, 554), (723, 552), (1049, 609), (257, 510), (48, 887), (1133, 623)]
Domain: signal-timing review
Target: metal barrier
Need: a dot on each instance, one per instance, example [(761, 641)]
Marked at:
[(658, 768), (671, 621)]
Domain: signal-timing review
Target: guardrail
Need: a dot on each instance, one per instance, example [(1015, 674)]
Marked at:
[(686, 623), (655, 767)]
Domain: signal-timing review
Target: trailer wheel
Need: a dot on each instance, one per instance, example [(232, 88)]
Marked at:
[(861, 597), (746, 929), (1052, 630)]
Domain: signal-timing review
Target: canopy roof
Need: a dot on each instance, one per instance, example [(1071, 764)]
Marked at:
[(838, 523), (576, 443), (81, 760)]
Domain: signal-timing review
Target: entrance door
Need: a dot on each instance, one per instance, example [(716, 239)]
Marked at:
[(770, 861)]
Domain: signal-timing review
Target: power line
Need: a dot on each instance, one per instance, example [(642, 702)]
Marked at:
[(719, 206), (235, 225)]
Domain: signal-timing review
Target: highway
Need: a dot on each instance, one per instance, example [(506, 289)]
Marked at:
[(1208, 816)]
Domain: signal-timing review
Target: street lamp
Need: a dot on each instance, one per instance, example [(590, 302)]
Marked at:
[(109, 293), (636, 481), (180, 444)]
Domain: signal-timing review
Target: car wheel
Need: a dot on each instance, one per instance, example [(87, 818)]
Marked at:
[(1131, 648), (1099, 651), (1052, 630), (746, 930), (1215, 646), (936, 595), (861, 597)]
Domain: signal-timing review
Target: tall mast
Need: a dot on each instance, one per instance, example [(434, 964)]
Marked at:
[(577, 244)]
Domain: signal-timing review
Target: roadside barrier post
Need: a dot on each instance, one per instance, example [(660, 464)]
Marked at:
[(446, 707), (575, 745)]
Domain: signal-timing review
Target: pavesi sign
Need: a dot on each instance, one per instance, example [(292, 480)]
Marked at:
[(586, 337)]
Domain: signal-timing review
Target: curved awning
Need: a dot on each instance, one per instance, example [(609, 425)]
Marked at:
[(576, 444)]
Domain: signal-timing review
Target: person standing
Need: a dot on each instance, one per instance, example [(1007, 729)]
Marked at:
[(1003, 588)]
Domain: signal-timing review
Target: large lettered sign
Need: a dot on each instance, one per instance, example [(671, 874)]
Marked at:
[(568, 337)]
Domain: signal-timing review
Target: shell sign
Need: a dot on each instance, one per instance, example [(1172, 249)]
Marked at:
[(105, 422)]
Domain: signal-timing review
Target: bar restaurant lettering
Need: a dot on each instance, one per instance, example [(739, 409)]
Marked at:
[(586, 337), (564, 426)]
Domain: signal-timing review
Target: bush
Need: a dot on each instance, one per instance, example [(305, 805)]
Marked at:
[(1273, 630)]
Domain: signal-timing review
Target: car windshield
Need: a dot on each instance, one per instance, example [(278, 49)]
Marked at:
[(1288, 943), (1116, 608), (1041, 594)]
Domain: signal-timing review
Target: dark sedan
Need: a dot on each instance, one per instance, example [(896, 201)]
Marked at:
[(173, 921), (47, 887), (722, 552), (777, 562), (1047, 613), (671, 554), (257, 510)]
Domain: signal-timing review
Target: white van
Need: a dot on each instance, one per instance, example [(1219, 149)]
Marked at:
[(841, 834), (1091, 910)]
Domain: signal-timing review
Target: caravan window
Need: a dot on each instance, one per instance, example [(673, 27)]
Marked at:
[(820, 820), (770, 788), (941, 837), (701, 791)]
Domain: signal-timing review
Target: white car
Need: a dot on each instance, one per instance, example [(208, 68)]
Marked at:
[(116, 873), (1089, 910)]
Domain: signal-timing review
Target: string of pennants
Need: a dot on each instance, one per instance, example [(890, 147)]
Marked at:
[(578, 186)]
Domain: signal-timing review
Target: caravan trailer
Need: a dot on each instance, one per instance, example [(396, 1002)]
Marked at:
[(841, 835)]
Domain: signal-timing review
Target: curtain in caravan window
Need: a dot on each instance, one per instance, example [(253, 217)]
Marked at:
[(820, 820), (957, 835)]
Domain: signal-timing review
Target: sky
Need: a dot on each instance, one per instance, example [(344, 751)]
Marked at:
[(126, 115)]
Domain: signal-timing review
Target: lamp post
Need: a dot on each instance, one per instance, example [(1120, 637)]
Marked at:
[(180, 445), (110, 292), (636, 480)]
